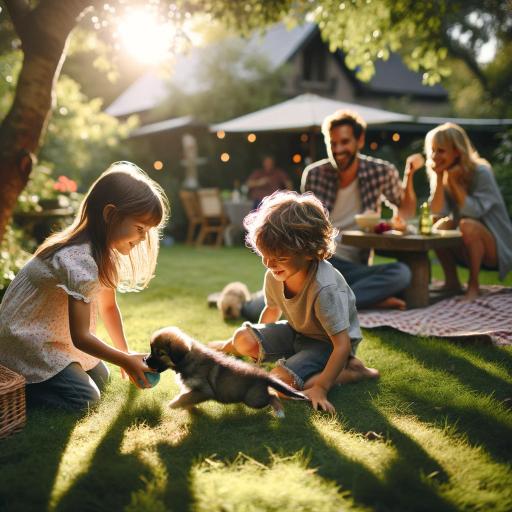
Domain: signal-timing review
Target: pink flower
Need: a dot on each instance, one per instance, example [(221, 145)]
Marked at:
[(64, 184)]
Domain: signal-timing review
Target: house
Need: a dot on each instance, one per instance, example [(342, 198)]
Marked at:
[(312, 68)]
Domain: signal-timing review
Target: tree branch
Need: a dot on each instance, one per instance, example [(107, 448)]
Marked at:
[(18, 11)]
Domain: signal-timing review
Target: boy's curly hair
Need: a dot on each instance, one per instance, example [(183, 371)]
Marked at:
[(291, 223)]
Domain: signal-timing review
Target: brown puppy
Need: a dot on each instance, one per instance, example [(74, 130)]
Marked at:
[(233, 296), (206, 374)]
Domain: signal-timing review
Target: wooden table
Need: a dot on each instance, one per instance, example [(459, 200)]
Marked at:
[(412, 250)]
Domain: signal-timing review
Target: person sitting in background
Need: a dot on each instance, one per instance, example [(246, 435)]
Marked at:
[(263, 182), (463, 187)]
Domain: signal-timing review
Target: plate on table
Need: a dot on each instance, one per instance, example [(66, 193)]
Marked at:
[(446, 232)]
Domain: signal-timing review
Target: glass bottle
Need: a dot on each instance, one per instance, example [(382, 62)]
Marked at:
[(425, 220)]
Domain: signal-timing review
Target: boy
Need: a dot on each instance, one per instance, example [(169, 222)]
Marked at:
[(315, 346)]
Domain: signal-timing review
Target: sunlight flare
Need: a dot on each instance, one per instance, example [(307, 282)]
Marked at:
[(145, 38)]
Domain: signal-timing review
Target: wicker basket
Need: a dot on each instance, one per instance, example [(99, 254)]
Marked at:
[(12, 402)]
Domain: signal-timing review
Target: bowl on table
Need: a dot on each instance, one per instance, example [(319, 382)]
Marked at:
[(367, 221)]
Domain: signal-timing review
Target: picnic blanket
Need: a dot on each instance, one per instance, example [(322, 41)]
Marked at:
[(487, 317)]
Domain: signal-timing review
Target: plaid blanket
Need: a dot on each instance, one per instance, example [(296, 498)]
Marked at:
[(487, 317)]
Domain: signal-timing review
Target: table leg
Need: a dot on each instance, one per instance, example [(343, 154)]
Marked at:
[(417, 293)]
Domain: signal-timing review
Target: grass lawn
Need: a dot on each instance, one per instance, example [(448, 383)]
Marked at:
[(443, 428)]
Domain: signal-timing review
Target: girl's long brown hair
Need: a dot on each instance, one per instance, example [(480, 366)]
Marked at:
[(133, 194)]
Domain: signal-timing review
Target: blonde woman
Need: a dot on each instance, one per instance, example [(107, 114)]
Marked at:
[(464, 194), (48, 314)]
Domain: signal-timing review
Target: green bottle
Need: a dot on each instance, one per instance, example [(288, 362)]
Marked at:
[(425, 220)]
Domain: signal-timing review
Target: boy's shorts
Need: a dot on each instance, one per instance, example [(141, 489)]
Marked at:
[(301, 356)]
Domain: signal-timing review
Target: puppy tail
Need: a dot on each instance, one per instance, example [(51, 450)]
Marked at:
[(286, 390)]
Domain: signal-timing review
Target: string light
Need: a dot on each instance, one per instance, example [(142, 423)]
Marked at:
[(297, 158), (396, 137), (225, 157), (304, 137), (374, 146), (251, 137), (221, 134), (158, 165)]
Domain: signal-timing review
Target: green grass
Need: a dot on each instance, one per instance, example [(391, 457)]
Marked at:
[(439, 410)]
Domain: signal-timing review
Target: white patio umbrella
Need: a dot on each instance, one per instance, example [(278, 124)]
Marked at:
[(303, 112)]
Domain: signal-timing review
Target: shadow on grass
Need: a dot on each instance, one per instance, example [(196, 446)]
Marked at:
[(20, 463), (480, 427), (112, 476), (255, 434)]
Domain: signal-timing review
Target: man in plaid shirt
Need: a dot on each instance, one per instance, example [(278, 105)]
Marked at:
[(348, 183)]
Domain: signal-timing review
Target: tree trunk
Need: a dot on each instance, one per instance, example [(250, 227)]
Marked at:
[(43, 32)]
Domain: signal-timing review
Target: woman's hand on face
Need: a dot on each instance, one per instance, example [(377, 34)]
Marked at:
[(414, 162)]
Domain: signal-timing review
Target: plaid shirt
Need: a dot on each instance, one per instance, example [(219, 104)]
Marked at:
[(378, 181)]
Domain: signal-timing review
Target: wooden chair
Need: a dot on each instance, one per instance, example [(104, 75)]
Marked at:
[(193, 212), (214, 220)]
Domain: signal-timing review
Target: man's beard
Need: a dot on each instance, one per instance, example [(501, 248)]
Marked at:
[(347, 164)]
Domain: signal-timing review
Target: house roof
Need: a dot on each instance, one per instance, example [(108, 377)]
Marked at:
[(304, 112), (164, 126), (278, 45), (394, 77)]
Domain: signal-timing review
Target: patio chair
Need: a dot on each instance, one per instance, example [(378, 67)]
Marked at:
[(193, 212), (213, 218)]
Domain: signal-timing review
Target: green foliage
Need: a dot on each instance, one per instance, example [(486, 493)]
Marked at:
[(82, 140), (503, 168), (43, 186), (225, 94), (12, 256)]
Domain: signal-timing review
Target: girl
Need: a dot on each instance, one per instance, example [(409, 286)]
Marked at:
[(463, 187), (48, 314)]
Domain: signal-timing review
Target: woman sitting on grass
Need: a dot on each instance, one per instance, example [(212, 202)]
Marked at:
[(463, 186), (48, 314)]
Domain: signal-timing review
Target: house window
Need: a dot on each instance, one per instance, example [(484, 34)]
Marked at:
[(314, 67)]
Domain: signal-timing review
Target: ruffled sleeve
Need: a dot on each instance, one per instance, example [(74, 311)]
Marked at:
[(76, 272)]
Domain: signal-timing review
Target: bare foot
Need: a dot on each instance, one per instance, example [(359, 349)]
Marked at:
[(356, 371), (223, 346), (391, 303), (454, 287), (472, 294)]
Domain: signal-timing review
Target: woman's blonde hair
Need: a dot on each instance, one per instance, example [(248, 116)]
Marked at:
[(451, 134), (133, 194), (290, 223)]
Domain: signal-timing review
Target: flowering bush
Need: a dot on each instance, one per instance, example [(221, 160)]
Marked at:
[(43, 191), (64, 184)]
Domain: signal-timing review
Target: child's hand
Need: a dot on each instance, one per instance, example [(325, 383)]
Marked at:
[(135, 367), (318, 398)]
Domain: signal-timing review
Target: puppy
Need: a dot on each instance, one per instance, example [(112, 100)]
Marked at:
[(231, 299), (205, 374)]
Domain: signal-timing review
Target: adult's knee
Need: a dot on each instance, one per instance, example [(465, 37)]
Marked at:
[(470, 230), (245, 343), (402, 275)]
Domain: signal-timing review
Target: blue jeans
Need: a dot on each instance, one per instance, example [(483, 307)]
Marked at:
[(370, 284), (72, 388), (303, 357)]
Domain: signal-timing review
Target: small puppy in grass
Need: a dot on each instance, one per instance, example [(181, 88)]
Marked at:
[(233, 296), (205, 374)]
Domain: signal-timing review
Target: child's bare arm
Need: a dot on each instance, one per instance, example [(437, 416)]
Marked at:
[(84, 340), (111, 316), (270, 314), (324, 381)]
